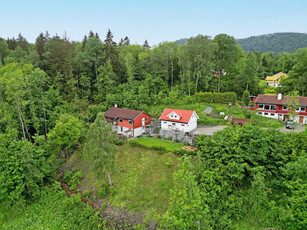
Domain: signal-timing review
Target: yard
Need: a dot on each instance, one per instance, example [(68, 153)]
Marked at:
[(155, 143), (142, 179)]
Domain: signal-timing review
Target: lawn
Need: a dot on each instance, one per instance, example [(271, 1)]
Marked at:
[(156, 142), (142, 178)]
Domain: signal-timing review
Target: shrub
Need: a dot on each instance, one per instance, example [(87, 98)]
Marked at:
[(119, 141), (112, 190), (221, 116), (169, 162), (206, 97), (73, 179), (159, 136), (170, 138), (225, 98), (87, 193), (182, 152), (67, 177), (102, 191), (185, 143), (104, 205)]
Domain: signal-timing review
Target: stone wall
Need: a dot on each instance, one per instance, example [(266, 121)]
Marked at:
[(178, 135)]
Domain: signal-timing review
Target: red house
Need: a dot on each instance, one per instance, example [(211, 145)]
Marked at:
[(127, 121), (275, 106)]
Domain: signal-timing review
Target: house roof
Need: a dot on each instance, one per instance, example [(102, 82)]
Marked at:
[(129, 114), (272, 99), (185, 115), (239, 121)]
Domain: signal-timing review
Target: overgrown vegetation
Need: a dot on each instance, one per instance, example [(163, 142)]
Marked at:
[(52, 94)]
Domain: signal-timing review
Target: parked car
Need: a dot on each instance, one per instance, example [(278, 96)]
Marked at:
[(290, 125)]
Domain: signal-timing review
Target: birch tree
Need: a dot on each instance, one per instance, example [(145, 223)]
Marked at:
[(99, 147)]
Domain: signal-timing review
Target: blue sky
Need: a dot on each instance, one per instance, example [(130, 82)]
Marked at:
[(154, 20)]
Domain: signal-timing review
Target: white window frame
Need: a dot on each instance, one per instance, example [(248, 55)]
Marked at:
[(146, 119), (130, 122), (120, 120)]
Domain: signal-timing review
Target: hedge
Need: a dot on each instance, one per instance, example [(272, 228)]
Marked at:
[(206, 97), (223, 98)]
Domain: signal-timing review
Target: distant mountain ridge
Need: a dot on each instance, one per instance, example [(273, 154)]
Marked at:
[(275, 42)]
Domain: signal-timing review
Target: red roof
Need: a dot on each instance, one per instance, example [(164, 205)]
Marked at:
[(129, 114), (272, 99), (185, 115)]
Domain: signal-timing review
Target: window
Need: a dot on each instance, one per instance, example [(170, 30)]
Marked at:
[(260, 113), (120, 120), (266, 114), (297, 109), (303, 109), (267, 107), (173, 123), (284, 107), (272, 114), (182, 124), (171, 115), (111, 119), (273, 107), (130, 122), (260, 106), (146, 119), (165, 122)]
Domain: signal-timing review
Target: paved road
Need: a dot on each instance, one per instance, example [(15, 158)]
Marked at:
[(298, 128), (208, 130)]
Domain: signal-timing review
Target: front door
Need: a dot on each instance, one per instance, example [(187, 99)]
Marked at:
[(143, 121), (301, 119)]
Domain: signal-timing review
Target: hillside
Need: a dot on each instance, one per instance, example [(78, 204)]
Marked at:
[(277, 42)]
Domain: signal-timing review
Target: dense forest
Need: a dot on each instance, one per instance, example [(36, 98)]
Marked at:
[(276, 42), (52, 94)]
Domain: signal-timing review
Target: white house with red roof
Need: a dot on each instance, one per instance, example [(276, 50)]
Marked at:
[(127, 121), (275, 106), (178, 120)]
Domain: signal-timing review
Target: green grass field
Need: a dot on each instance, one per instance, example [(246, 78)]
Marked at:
[(142, 179), (156, 142)]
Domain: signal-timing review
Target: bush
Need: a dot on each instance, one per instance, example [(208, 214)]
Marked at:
[(169, 162), (119, 141), (159, 136), (67, 177), (73, 179), (185, 143), (182, 152), (87, 193), (102, 191), (170, 138), (112, 190), (225, 98), (206, 97)]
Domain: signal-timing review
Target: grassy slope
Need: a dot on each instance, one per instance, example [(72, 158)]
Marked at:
[(168, 145), (142, 180)]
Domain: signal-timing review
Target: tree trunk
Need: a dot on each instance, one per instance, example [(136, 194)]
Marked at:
[(21, 122), (109, 177)]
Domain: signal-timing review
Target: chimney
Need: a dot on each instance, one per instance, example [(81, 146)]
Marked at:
[(115, 105), (279, 96)]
